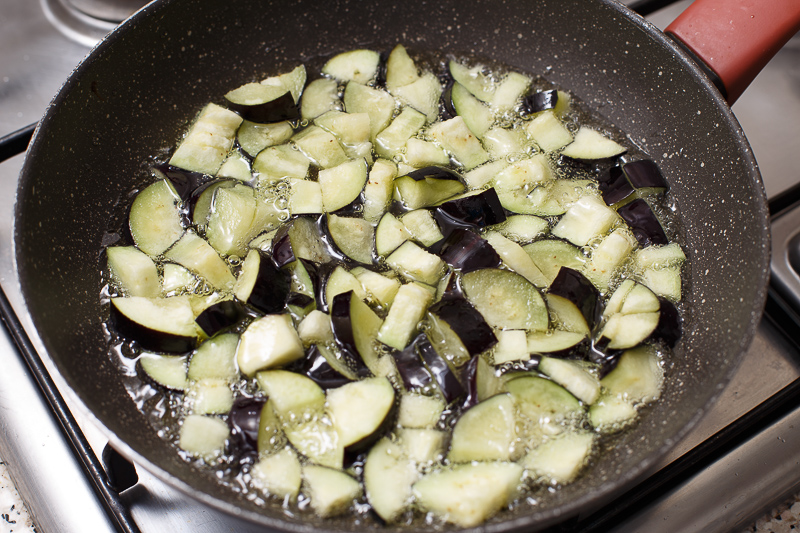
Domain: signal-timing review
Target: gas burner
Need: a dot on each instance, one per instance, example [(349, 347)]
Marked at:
[(88, 21)]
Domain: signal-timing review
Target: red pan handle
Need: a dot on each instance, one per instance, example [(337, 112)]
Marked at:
[(737, 38)]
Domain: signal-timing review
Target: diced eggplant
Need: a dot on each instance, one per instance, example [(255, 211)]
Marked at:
[(505, 299), (467, 251), (560, 459), (512, 345), (574, 286), (548, 132), (278, 474), (378, 104), (557, 342), (360, 66), (572, 376), (185, 182), (468, 494), (477, 116), (209, 397), (608, 257), (422, 226), (591, 144), (279, 162), (320, 147), (423, 94), (342, 184), (423, 446), (380, 288), (418, 411), (165, 371), (208, 140), (638, 376), (643, 222), (551, 254), (539, 101), (392, 140), (408, 309), (203, 436), (470, 326), (509, 91), (244, 421), (400, 68), (645, 174), (220, 316), (543, 404), (515, 258), (326, 370), (523, 229), (352, 236), (273, 100), (262, 285), (473, 211), (361, 411), (157, 324), (133, 272), (600, 354), (455, 136), (444, 375), (355, 326), (415, 263), (331, 492), (194, 253), (613, 185), (412, 370), (473, 79), (282, 251), (155, 218), (254, 137), (215, 359), (427, 186), (307, 241), (388, 477), (315, 328), (378, 189), (611, 413), (269, 341), (586, 219), (319, 97), (485, 432)]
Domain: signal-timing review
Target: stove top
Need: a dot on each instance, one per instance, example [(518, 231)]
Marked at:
[(726, 471)]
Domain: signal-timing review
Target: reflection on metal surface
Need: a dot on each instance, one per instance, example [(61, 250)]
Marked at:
[(108, 10), (75, 24)]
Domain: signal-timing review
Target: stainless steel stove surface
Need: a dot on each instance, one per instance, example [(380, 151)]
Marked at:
[(725, 472)]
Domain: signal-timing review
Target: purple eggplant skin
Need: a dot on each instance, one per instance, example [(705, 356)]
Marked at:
[(600, 354), (343, 333), (299, 300), (282, 251), (445, 377), (149, 339), (466, 322), (613, 185), (643, 222), (410, 366), (319, 370), (448, 109), (541, 101), (475, 211), (243, 419), (434, 172), (574, 286), (469, 376), (220, 316), (466, 251), (668, 330), (186, 182), (271, 290), (645, 174), (277, 110)]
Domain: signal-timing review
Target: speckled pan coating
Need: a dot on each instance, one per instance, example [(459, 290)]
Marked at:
[(126, 102)]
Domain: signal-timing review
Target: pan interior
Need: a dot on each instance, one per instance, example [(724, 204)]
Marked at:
[(127, 103)]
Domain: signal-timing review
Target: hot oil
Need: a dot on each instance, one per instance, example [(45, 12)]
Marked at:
[(166, 409)]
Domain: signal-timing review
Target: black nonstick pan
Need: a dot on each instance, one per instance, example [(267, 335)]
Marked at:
[(128, 102)]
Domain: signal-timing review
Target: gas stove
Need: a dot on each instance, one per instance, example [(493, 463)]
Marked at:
[(738, 461)]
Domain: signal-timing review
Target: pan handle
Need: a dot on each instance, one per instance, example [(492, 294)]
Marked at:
[(736, 38)]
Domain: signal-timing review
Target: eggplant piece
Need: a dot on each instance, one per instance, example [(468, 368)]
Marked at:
[(282, 251), (613, 185), (485, 432), (448, 108), (220, 316), (427, 186), (164, 371), (411, 368), (155, 218), (243, 419), (185, 182), (473, 211), (361, 412), (355, 327), (319, 366), (470, 326), (466, 251), (645, 174), (469, 376), (669, 329), (574, 286), (445, 377), (156, 324), (268, 342), (643, 222), (262, 285), (541, 101), (266, 107), (601, 354)]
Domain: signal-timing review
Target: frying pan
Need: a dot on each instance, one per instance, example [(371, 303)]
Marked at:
[(130, 99)]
